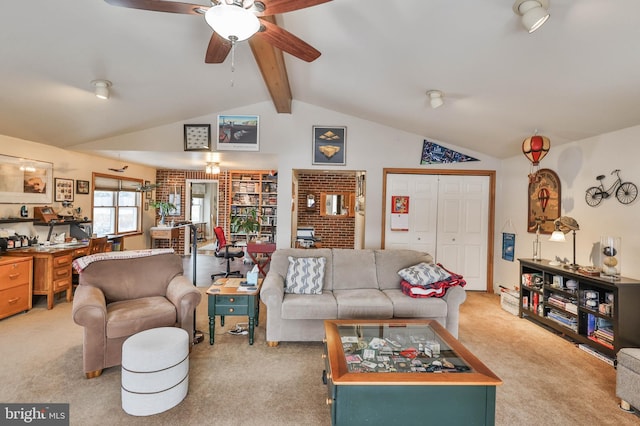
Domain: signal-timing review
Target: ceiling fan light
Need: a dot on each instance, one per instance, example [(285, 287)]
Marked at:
[(101, 88), (534, 13), (230, 21), (435, 98)]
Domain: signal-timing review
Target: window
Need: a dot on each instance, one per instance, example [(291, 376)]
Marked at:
[(116, 205)]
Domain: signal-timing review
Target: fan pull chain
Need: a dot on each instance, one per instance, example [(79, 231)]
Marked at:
[(233, 40)]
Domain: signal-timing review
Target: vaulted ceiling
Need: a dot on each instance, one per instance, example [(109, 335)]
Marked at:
[(575, 77)]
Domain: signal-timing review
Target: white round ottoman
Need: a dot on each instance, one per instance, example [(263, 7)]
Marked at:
[(155, 370)]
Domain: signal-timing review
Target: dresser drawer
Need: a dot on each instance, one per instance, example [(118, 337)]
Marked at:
[(14, 300), (14, 273)]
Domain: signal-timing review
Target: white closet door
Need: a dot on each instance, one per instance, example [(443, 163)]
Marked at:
[(463, 209), (448, 218), (423, 212)]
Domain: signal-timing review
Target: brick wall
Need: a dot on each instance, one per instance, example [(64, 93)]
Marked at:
[(171, 180), (336, 232)]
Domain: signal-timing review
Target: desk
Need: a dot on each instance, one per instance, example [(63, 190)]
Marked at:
[(226, 297), (163, 233), (267, 249)]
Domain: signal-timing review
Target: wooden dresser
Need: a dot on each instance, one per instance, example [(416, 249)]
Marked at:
[(52, 269), (15, 285)]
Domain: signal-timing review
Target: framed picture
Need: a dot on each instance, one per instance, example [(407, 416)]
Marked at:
[(238, 133), (82, 187), (544, 201), (147, 194), (25, 181), (329, 145), (63, 189), (197, 137), (146, 206)]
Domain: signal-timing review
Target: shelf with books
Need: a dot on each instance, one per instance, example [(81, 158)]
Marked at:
[(253, 193), (592, 311)]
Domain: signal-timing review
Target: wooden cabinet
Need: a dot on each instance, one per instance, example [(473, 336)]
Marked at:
[(598, 313), (51, 269), (251, 190), (15, 285)]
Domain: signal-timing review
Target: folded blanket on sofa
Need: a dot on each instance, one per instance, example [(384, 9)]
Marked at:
[(437, 289)]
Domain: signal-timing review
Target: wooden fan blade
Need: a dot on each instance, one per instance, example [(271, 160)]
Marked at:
[(217, 50), (161, 6), (287, 42), (274, 7)]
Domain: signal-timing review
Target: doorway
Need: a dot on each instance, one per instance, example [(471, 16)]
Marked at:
[(202, 209)]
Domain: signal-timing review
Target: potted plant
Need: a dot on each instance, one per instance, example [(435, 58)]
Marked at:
[(164, 207), (248, 223)]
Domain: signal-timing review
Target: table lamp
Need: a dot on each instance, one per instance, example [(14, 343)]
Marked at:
[(564, 225)]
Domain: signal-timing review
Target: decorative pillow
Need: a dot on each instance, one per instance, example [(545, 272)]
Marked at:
[(423, 274), (305, 275)]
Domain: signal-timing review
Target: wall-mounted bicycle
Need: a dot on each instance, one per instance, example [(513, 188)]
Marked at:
[(625, 192)]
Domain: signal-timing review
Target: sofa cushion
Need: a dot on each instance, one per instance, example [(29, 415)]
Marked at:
[(309, 306), (407, 307), (127, 317), (423, 274), (280, 262), (353, 269), (389, 262), (305, 275), (362, 304)]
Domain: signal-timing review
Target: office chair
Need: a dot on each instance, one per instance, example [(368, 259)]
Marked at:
[(226, 251)]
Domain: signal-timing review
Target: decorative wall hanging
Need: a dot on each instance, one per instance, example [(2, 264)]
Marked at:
[(535, 148), (544, 201), (25, 181), (432, 153), (625, 192), (63, 189), (82, 186), (238, 133), (197, 137), (508, 241), (329, 145)]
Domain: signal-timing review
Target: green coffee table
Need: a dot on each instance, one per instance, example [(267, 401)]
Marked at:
[(390, 372)]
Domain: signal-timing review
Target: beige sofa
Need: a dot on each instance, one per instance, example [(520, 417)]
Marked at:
[(358, 284), (118, 297)]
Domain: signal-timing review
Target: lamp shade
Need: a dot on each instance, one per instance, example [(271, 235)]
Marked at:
[(232, 22)]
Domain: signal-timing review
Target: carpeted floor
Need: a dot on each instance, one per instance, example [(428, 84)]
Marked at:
[(547, 380)]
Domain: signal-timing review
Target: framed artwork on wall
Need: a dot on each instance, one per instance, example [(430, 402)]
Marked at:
[(197, 137), (25, 181), (329, 145), (63, 189), (238, 133), (544, 201), (82, 187)]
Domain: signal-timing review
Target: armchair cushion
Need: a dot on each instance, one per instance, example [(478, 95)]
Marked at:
[(128, 317)]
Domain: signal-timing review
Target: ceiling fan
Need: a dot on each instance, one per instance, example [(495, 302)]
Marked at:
[(238, 20)]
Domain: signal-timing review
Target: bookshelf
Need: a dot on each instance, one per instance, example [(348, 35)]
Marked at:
[(596, 312), (253, 190)]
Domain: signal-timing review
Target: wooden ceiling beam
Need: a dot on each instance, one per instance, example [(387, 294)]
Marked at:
[(274, 72)]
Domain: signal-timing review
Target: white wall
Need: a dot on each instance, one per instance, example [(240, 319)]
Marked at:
[(577, 164), (70, 165)]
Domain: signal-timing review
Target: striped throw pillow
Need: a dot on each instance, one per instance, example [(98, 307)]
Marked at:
[(305, 275), (423, 274)]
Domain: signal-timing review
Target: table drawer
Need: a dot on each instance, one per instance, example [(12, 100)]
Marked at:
[(14, 300), (63, 272), (62, 284), (63, 260), (14, 274), (232, 309)]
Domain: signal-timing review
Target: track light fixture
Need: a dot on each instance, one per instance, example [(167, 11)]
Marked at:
[(101, 88), (435, 98), (534, 13)]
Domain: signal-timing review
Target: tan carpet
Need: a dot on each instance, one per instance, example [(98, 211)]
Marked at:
[(547, 380)]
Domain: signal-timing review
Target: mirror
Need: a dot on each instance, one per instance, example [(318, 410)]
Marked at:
[(336, 204)]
